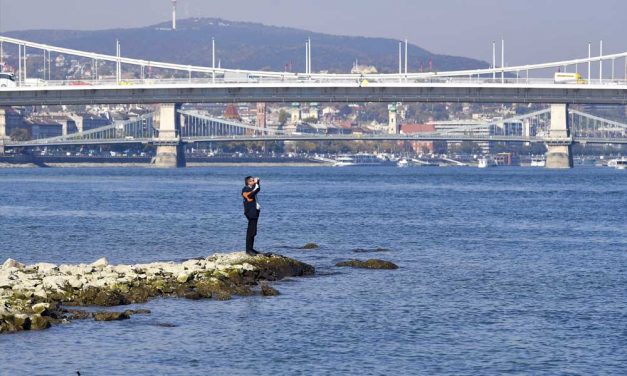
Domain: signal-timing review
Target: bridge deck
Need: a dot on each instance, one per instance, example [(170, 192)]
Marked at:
[(468, 92)]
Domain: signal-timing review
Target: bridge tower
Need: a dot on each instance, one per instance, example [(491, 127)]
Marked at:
[(170, 147), (559, 145), (393, 119)]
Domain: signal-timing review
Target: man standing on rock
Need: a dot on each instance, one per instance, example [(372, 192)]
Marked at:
[(251, 211)]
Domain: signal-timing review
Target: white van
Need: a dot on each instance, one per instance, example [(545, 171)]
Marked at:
[(7, 79)]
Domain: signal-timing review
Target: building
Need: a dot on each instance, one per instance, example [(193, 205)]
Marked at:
[(393, 119), (427, 147), (90, 121), (44, 128), (68, 125), (506, 159), (12, 121), (363, 69), (261, 120)]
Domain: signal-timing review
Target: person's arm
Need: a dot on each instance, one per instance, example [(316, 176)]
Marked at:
[(249, 196)]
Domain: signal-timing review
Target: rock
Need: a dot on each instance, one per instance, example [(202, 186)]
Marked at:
[(310, 246), (40, 292), (10, 263), (111, 316), (40, 308), (37, 295), (368, 264), (38, 322), (191, 264), (183, 277), (373, 250), (100, 263), (44, 267), (268, 290), (54, 283), (166, 325), (192, 295), (138, 311), (75, 282)]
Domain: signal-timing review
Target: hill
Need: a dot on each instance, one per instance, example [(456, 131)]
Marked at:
[(246, 45)]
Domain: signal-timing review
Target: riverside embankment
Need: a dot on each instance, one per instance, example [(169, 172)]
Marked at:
[(34, 297)]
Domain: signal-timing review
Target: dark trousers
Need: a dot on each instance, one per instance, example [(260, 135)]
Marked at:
[(250, 234)]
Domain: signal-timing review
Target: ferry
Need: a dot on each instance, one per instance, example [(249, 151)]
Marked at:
[(538, 162), (360, 159), (486, 162)]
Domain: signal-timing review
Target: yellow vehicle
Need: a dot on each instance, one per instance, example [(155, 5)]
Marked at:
[(569, 78)]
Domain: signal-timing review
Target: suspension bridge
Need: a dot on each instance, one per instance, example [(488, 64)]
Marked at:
[(171, 126)]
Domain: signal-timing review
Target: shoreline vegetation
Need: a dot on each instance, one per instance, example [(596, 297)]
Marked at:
[(35, 297)]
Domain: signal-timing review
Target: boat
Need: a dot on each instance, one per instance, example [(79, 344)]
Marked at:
[(360, 159), (402, 163), (619, 164), (538, 161), (486, 162)]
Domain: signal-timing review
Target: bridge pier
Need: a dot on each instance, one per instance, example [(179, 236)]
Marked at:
[(3, 130), (170, 148), (559, 147)]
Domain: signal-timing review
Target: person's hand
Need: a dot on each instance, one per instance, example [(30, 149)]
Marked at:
[(257, 181)]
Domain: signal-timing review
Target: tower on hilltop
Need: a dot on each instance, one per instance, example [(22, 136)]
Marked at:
[(173, 14)]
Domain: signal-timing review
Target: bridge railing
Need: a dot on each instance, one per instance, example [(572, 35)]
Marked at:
[(314, 80)]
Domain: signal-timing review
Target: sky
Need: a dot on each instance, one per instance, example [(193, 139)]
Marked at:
[(534, 30)]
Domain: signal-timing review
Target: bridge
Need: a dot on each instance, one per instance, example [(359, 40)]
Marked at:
[(517, 84)]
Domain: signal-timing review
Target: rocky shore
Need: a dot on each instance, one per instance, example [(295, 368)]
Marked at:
[(34, 297)]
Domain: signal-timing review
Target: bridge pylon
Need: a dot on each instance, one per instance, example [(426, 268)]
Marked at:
[(170, 147), (559, 143)]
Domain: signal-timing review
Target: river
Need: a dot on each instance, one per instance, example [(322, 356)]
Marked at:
[(503, 270)]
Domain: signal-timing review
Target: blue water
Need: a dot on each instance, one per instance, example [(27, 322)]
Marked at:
[(502, 271)]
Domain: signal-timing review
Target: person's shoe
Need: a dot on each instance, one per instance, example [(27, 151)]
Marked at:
[(252, 253)]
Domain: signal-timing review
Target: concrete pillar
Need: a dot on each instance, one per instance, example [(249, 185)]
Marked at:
[(78, 120), (559, 146), (170, 148), (3, 130)]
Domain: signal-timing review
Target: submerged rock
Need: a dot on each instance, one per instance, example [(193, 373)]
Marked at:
[(32, 297), (310, 246), (268, 291), (111, 316), (368, 264)]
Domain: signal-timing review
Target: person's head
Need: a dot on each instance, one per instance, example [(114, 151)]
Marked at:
[(249, 180)]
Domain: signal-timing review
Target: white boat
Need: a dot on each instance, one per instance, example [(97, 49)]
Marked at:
[(486, 162), (619, 164), (402, 163), (538, 162), (360, 159)]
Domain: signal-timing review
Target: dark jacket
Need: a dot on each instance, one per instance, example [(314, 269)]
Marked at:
[(250, 201)]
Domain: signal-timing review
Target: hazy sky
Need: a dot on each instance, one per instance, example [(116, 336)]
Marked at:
[(534, 30)]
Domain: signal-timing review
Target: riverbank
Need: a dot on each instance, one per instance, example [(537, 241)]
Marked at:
[(34, 297), (148, 165)]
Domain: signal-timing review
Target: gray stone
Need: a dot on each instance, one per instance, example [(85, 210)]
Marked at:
[(100, 263)]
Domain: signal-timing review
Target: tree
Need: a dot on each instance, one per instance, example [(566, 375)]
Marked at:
[(467, 147), (20, 134), (283, 116)]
